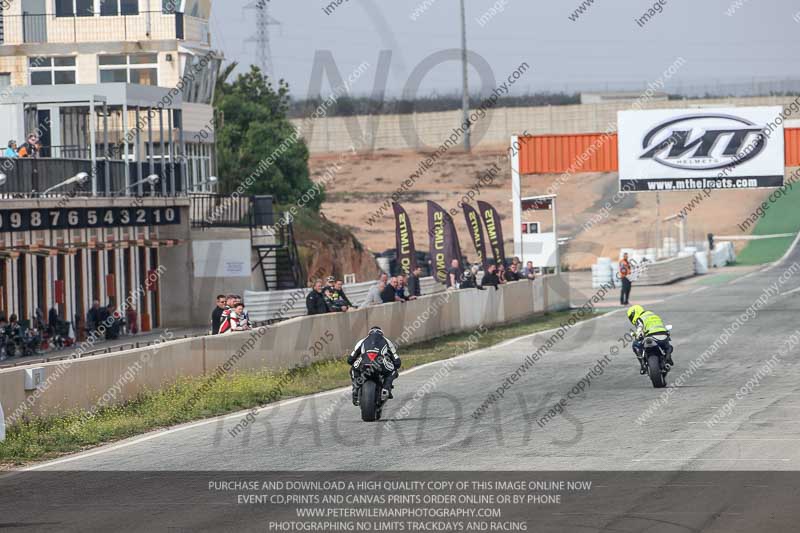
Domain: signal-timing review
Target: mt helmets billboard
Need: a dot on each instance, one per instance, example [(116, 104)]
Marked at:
[(689, 149)]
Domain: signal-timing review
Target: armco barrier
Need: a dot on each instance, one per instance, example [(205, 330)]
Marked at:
[(117, 377), (667, 271), (269, 305)]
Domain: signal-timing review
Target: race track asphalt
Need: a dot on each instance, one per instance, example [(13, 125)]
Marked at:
[(619, 423)]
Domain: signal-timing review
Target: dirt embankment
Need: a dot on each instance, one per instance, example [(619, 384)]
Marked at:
[(362, 185), (327, 249)]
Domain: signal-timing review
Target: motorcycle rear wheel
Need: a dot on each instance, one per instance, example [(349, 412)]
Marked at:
[(656, 373), (369, 401)]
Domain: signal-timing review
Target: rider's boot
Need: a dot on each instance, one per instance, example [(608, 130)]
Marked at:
[(642, 369), (355, 395), (669, 357), (385, 395)]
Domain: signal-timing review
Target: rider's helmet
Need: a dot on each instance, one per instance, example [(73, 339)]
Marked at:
[(375, 329), (634, 312)]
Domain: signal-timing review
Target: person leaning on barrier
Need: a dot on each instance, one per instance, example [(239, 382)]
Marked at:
[(414, 290), (389, 292), (315, 301), (470, 280), (401, 288), (374, 294), (490, 278), (512, 273), (529, 271), (336, 298)]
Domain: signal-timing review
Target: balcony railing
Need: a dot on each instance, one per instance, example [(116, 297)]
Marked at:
[(29, 177), (146, 25)]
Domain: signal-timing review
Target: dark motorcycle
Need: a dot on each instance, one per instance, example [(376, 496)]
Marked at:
[(372, 370), (655, 360)]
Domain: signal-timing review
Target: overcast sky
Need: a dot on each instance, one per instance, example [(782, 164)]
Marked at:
[(604, 48)]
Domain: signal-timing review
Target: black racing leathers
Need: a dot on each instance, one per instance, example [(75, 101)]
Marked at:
[(375, 342)]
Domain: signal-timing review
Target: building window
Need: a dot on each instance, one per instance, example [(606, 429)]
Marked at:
[(72, 8), (119, 7), (141, 69), (52, 70)]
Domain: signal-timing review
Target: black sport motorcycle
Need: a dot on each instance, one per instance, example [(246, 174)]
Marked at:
[(655, 360), (372, 368)]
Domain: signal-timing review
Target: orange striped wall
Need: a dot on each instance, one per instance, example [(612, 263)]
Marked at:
[(597, 152)]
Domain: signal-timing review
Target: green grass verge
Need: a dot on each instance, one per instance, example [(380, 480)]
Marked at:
[(781, 217), (50, 437)]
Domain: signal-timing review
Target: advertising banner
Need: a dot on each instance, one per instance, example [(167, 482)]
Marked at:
[(404, 240), (476, 232), (443, 241), (691, 149), (494, 230)]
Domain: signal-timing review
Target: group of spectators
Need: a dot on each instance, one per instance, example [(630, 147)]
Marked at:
[(30, 148), (329, 296), (494, 275), (229, 315), (395, 289)]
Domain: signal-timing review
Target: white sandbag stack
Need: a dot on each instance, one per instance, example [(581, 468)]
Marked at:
[(603, 272), (701, 262)]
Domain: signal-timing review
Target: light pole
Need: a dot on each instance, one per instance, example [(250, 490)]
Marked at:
[(212, 180), (152, 179), (465, 79), (81, 178)]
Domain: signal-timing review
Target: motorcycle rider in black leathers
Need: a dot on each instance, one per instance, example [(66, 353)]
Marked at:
[(375, 341)]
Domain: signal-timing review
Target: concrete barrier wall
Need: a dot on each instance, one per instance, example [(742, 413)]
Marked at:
[(427, 131), (117, 377)]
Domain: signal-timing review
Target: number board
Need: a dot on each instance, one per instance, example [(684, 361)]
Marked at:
[(86, 217)]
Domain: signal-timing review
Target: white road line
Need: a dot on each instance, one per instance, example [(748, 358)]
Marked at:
[(701, 289), (753, 422), (693, 459), (239, 414), (730, 440), (790, 292)]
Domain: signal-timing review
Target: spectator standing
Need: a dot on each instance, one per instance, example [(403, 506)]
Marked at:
[(315, 301), (490, 278), (374, 294), (529, 271), (413, 289), (216, 314), (225, 321), (132, 319), (389, 292), (30, 148), (11, 151), (93, 318), (453, 275), (624, 276)]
